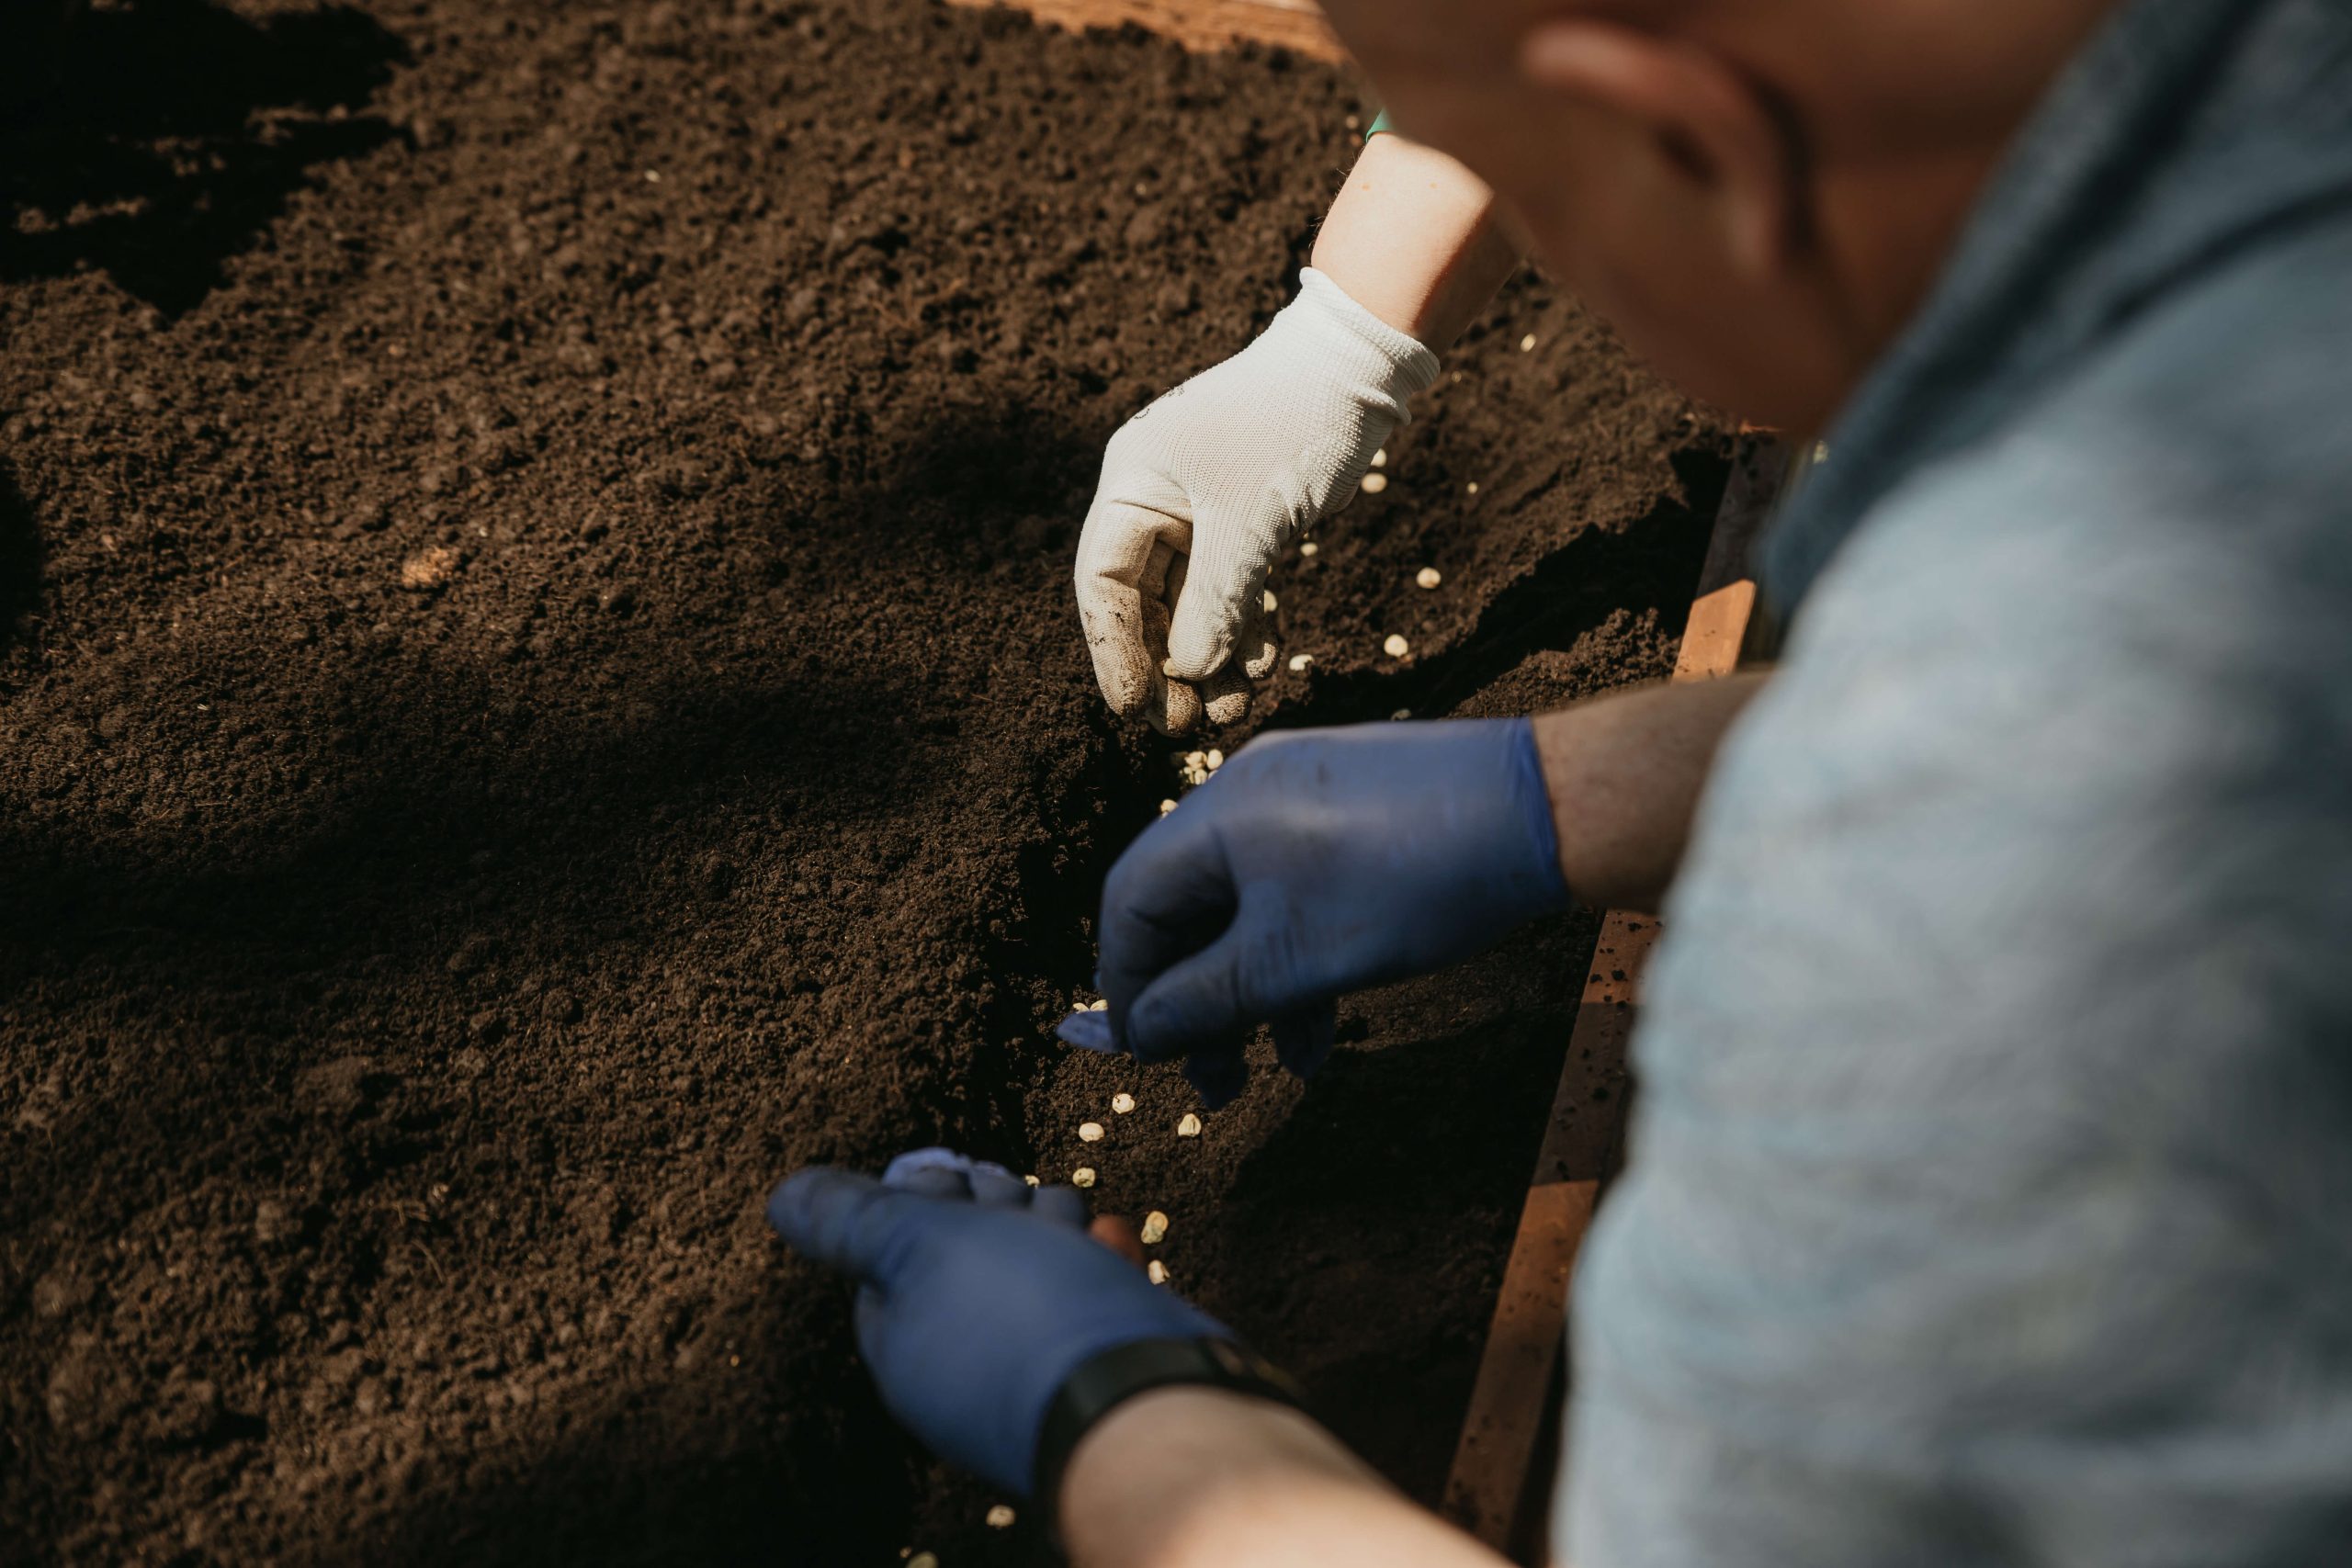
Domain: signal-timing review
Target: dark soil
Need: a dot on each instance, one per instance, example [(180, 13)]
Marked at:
[(539, 691)]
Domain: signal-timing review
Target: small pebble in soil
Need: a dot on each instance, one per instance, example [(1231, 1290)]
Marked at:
[(1396, 646), (1380, 458), (1374, 483), (1309, 549), (1082, 1176), (1189, 1127), (1156, 1271), (1155, 1227), (1273, 603), (428, 568), (1122, 1103), (1001, 1517), (1527, 344), (1299, 661), (1428, 577), (1089, 1131)]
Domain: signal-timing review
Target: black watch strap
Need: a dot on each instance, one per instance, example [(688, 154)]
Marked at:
[(1117, 1375)]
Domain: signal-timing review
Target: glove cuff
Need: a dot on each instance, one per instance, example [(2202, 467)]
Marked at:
[(1388, 365)]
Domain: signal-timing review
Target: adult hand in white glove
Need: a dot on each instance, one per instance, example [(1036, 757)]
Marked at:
[(1204, 489)]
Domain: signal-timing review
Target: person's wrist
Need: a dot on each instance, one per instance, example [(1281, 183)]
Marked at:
[(1181, 1453), (1097, 1387), (1349, 335)]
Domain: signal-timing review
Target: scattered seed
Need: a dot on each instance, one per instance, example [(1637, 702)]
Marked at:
[(1299, 661), (1472, 487), (1082, 1176), (1089, 1131), (1527, 344), (1380, 458), (1189, 1127), (1033, 1181), (1309, 548), (1156, 1271), (1401, 714), (1100, 1004), (1374, 483), (1122, 1103), (1196, 759), (1166, 807), (1217, 760), (1396, 646), (1001, 1517), (1155, 1227), (1428, 577), (1273, 603)]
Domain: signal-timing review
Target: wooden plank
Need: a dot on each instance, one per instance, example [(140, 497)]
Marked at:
[(1197, 24), (1493, 1491)]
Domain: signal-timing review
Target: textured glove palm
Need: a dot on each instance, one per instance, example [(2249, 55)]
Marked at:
[(1204, 489), (977, 1296), (1313, 863)]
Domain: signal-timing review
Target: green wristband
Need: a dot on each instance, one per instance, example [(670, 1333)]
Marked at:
[(1380, 122)]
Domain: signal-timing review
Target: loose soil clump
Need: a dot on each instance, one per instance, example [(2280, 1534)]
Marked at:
[(539, 691)]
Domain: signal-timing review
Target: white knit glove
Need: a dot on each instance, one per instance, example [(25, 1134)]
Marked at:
[(1202, 490)]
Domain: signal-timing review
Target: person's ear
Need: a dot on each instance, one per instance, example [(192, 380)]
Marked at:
[(1705, 117)]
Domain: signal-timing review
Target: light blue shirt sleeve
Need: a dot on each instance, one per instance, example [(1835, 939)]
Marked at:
[(1990, 1198)]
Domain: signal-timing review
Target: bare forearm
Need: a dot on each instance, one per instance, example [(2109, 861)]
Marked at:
[(1625, 775), (1413, 239), (1199, 1478)]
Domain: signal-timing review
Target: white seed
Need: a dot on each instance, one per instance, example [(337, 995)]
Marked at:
[(1299, 661), (1473, 487), (1082, 1176), (1374, 483), (1033, 1181), (1196, 759), (1189, 1127), (1155, 1227), (1380, 458), (1273, 603), (1401, 714), (1001, 1517), (1527, 344), (1309, 548), (1098, 1004), (1217, 760), (1122, 1103), (1166, 807), (1156, 1271), (1428, 577), (1396, 646), (1089, 1131), (1196, 776)]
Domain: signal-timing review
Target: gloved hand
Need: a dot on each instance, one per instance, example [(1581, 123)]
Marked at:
[(1314, 862), (1202, 490), (977, 1296)]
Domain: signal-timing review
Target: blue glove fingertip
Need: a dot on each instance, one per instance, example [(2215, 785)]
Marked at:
[(1089, 1031)]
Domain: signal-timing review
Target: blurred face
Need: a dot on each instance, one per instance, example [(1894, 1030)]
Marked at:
[(1756, 213)]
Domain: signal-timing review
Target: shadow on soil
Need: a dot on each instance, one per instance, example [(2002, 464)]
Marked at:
[(153, 140), (21, 559), (1651, 563)]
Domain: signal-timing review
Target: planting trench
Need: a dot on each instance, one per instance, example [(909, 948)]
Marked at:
[(538, 690)]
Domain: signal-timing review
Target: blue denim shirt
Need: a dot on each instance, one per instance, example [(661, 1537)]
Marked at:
[(1991, 1190)]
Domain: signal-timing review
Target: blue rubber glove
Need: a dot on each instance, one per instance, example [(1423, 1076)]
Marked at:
[(977, 1296), (1313, 863)]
